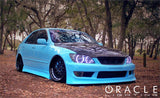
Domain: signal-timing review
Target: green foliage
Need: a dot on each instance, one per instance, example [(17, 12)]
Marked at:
[(144, 22)]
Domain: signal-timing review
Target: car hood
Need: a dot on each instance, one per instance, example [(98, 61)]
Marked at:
[(92, 50)]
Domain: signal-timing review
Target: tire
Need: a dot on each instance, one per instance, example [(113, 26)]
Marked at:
[(58, 70), (19, 64)]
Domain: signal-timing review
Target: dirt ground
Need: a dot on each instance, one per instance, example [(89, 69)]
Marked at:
[(15, 84)]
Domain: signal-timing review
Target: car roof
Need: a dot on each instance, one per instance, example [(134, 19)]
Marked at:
[(56, 29)]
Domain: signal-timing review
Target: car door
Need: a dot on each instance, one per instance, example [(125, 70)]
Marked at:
[(40, 54), (28, 48)]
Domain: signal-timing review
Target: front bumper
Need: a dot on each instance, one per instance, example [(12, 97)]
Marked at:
[(96, 69)]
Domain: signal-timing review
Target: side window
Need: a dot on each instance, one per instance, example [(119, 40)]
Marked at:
[(42, 34), (34, 37)]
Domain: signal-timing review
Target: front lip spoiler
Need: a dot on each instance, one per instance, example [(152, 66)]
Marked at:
[(101, 81)]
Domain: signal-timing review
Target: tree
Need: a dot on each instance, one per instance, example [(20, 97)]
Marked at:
[(128, 7), (152, 21), (6, 7), (156, 50), (108, 25), (45, 13), (153, 46), (88, 19), (2, 26)]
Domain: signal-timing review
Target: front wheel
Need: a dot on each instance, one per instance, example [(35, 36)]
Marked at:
[(19, 64), (58, 70)]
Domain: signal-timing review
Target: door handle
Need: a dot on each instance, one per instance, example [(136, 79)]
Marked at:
[(33, 47)]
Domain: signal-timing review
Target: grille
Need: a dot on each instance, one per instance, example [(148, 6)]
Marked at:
[(111, 60), (111, 74)]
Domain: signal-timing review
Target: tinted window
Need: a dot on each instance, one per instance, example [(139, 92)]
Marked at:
[(32, 38), (38, 34), (42, 34)]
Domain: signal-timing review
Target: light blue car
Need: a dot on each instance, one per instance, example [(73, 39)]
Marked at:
[(74, 57)]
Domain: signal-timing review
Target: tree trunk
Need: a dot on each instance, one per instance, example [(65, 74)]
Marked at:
[(2, 27), (155, 42), (156, 51), (126, 14), (80, 13), (109, 24), (4, 45), (104, 35), (115, 43), (11, 44), (122, 37), (14, 40), (141, 49), (131, 45), (1, 39), (42, 24), (149, 49), (92, 32), (123, 26), (30, 27), (134, 47), (125, 47)]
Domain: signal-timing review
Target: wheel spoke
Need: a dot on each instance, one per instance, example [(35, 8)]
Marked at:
[(58, 70)]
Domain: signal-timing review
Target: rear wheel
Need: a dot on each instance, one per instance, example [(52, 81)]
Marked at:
[(58, 70), (19, 64)]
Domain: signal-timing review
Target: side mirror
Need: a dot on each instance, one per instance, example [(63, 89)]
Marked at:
[(42, 41), (100, 44)]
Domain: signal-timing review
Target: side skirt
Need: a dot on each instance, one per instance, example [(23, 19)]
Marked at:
[(36, 72)]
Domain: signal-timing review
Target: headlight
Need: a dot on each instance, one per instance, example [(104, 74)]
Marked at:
[(81, 58), (129, 60)]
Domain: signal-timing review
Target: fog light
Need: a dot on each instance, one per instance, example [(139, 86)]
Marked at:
[(78, 74), (131, 72), (83, 74)]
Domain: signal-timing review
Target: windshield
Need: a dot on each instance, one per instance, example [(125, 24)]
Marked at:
[(70, 36)]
